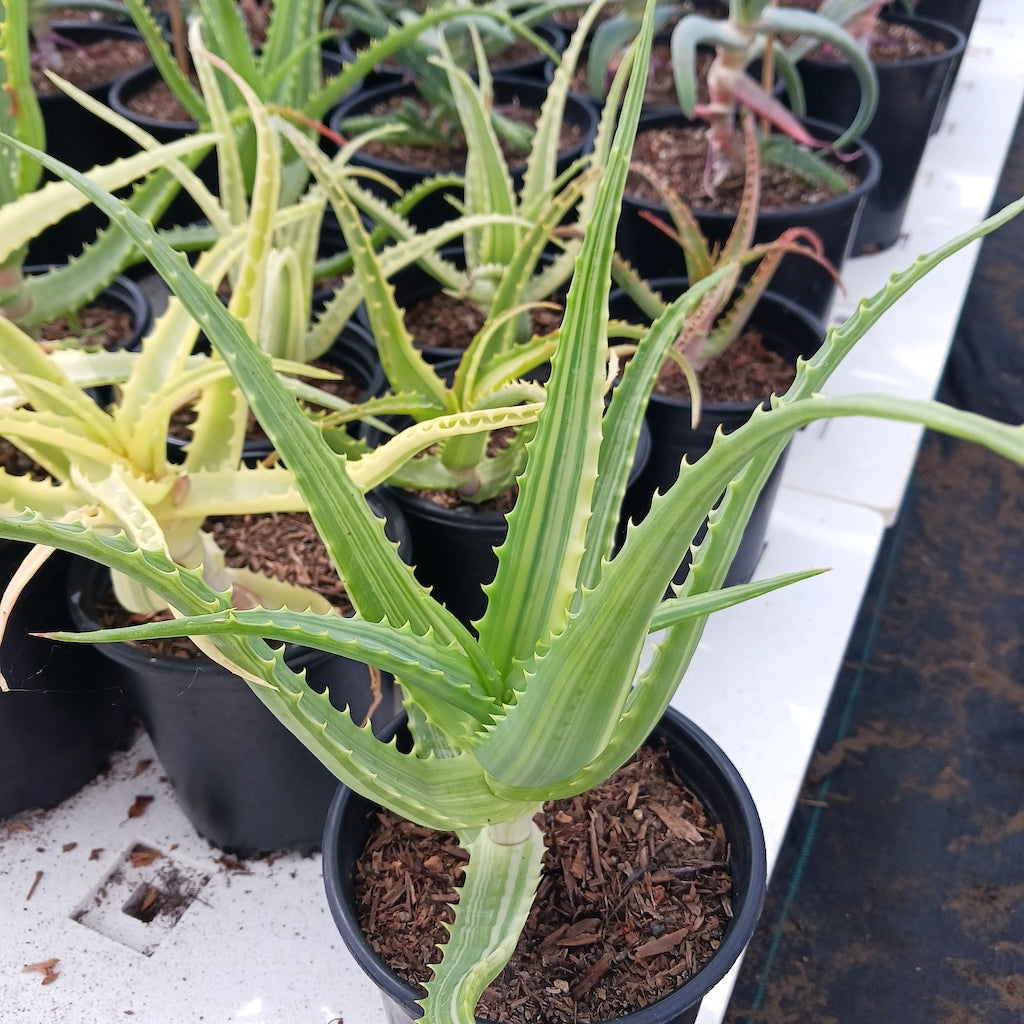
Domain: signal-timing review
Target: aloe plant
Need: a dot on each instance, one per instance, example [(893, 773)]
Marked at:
[(726, 309), (505, 263), (508, 232), (546, 701), (750, 31), (112, 464), (284, 72)]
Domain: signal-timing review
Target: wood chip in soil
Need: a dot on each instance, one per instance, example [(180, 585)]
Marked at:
[(628, 908)]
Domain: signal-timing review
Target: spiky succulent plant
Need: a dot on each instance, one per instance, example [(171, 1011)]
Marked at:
[(751, 30), (549, 698)]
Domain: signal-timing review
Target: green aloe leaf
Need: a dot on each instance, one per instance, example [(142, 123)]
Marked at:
[(434, 672)]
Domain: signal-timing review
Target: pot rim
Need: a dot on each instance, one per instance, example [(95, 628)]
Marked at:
[(931, 28), (586, 119)]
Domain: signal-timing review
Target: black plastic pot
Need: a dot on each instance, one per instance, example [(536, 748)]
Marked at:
[(244, 782), (72, 134), (66, 711), (436, 209), (453, 550), (909, 95), (788, 330), (959, 14), (834, 221), (699, 762)]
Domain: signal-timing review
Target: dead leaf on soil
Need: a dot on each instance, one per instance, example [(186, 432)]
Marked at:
[(665, 944)]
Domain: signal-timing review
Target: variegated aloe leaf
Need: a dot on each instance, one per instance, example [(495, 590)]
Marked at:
[(41, 380), (499, 884), (160, 50), (386, 460), (631, 584), (295, 72), (488, 183), (398, 37), (538, 564), (741, 462), (438, 793), (435, 673), (576, 681), (542, 161), (43, 297)]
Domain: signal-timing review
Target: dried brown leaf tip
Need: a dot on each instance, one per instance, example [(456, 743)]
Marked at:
[(47, 968), (140, 806)]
